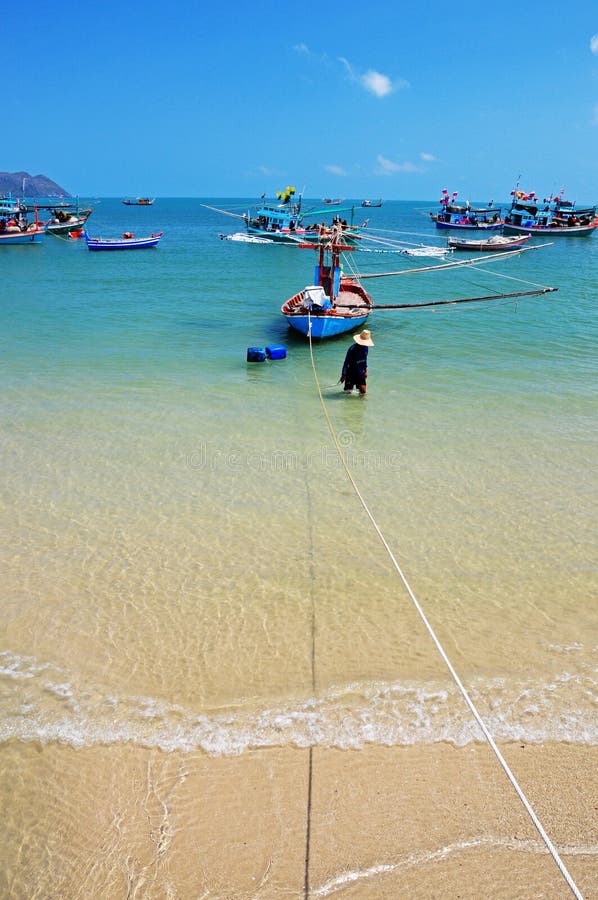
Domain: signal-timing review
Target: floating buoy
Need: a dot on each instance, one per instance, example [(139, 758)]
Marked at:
[(256, 354), (276, 351)]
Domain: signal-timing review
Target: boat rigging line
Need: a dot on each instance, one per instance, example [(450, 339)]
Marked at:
[(452, 265), (538, 289), (464, 693), (394, 244), (225, 212), (393, 231)]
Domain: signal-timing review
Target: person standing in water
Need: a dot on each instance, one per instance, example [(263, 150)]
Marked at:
[(355, 366)]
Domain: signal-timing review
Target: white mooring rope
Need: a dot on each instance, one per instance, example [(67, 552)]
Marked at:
[(552, 850)]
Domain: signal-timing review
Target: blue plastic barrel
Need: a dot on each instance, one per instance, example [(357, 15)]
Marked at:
[(276, 351), (256, 354)]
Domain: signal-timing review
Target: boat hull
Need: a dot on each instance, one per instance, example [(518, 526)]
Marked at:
[(32, 236), (551, 231), (352, 308), (324, 326), (62, 228), (96, 244), (455, 226), (288, 236)]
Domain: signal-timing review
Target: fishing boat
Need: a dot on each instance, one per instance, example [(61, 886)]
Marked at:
[(286, 222), (66, 219), (371, 203), (334, 303), (553, 216), (139, 201), (127, 242), (15, 227), (497, 242), (329, 201), (467, 217)]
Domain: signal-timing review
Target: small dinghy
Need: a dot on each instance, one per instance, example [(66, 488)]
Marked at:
[(497, 242)]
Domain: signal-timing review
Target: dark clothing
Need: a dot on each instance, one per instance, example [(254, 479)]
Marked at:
[(355, 367)]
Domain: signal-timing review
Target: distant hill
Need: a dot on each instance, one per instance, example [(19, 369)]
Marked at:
[(35, 185)]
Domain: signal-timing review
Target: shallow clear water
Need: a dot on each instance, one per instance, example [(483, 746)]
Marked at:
[(186, 562)]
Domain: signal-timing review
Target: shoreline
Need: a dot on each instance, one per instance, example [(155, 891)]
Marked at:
[(428, 821)]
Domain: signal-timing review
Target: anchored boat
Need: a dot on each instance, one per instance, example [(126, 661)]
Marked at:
[(127, 242), (139, 201), (333, 304), (15, 227), (553, 216), (286, 222), (497, 242), (66, 218), (466, 218)]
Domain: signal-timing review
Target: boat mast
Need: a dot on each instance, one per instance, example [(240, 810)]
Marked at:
[(330, 276)]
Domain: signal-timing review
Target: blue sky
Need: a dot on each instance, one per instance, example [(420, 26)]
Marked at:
[(372, 99)]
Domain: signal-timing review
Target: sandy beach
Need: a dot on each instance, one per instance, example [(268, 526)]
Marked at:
[(198, 615), (383, 822)]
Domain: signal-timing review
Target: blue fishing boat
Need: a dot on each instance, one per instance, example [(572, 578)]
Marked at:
[(15, 227), (466, 218), (333, 304), (553, 216), (127, 242), (286, 222)]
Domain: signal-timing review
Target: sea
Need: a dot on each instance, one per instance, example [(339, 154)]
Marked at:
[(188, 565)]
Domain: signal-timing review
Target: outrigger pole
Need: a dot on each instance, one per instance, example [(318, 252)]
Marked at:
[(467, 262), (536, 293)]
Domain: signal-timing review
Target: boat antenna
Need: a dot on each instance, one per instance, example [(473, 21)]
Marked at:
[(299, 201)]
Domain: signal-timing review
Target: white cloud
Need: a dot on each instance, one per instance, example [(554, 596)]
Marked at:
[(348, 67), (375, 82), (427, 157), (388, 167), (335, 170), (594, 43), (302, 48)]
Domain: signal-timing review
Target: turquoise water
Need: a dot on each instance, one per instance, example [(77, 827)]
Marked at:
[(180, 534)]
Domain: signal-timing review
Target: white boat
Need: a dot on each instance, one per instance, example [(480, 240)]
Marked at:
[(243, 238), (497, 242)]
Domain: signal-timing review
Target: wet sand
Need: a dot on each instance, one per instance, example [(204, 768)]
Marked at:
[(431, 821)]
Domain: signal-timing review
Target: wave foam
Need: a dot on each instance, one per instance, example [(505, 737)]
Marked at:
[(41, 703)]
